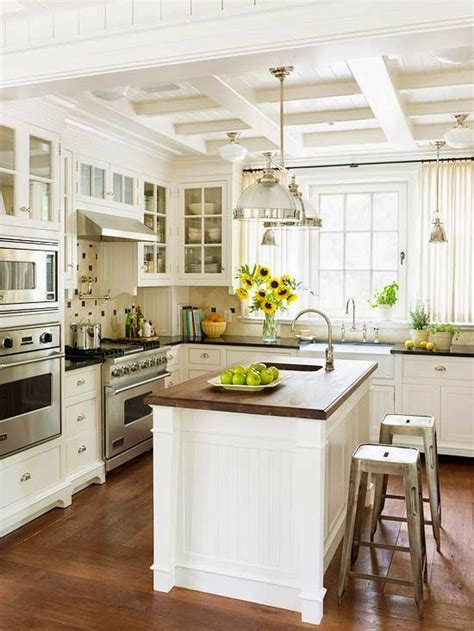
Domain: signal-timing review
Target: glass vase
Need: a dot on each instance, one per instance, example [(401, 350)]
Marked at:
[(269, 331)]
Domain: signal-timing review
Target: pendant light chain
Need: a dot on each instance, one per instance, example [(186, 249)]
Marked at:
[(281, 73)]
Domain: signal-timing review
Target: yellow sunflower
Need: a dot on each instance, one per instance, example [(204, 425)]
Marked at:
[(282, 292), (291, 298), (274, 283), (242, 293), (263, 273), (268, 307), (246, 281), (260, 295)]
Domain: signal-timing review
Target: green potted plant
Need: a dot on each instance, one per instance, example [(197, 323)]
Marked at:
[(384, 299), (442, 333), (418, 323)]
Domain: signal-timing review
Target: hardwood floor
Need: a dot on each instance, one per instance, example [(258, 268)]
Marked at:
[(87, 567)]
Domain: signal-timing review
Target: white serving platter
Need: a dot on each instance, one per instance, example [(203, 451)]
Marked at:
[(215, 381)]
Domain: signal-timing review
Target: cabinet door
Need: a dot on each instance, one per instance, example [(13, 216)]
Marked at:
[(421, 399), (155, 258), (124, 187), (9, 201), (382, 401), (457, 416), (91, 180), (70, 248)]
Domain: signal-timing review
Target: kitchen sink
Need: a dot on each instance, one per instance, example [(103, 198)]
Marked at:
[(379, 353), (349, 347)]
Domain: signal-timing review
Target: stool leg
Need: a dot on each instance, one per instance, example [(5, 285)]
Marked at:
[(352, 501), (381, 481), (415, 523), (435, 440), (431, 465), (359, 517)]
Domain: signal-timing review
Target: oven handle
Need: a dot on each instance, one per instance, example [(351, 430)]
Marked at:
[(33, 361), (140, 383)]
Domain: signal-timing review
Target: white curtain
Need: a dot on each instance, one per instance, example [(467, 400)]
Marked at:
[(445, 272)]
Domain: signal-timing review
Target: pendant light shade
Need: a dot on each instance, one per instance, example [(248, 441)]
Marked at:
[(438, 232), (460, 136), (233, 151)]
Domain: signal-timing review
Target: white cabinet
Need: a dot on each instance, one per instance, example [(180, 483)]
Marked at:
[(70, 229), (29, 182), (457, 416), (203, 234), (382, 401), (104, 183)]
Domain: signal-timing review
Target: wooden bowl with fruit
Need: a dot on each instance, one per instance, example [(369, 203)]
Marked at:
[(214, 325)]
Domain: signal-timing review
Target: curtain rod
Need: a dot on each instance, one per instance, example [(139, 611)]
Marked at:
[(354, 165)]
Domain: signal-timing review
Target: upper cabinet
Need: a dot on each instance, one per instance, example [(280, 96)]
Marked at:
[(156, 258), (103, 183), (203, 234), (29, 181)]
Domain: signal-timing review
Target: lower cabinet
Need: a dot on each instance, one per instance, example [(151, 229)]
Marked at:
[(382, 401), (457, 416)]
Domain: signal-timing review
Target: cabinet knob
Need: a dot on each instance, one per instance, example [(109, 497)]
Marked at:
[(80, 417), (440, 368), (25, 477), (205, 355), (81, 449), (170, 357), (80, 382), (170, 384)]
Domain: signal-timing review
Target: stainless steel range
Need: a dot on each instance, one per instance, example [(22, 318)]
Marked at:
[(128, 378)]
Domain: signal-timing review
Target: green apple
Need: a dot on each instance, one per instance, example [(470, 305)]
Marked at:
[(254, 367), (253, 378), (261, 367), (226, 377), (239, 369), (275, 371), (239, 379), (266, 376)]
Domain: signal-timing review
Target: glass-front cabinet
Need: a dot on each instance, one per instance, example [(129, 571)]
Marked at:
[(28, 177), (156, 257), (203, 232), (103, 183)]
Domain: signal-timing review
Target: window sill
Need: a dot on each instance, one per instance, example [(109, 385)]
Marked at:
[(337, 321)]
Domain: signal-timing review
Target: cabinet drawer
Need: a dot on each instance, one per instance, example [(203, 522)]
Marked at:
[(197, 373), (30, 476), (256, 354), (79, 381), (173, 379), (173, 356), (205, 356), (81, 451), (81, 417), (438, 367)]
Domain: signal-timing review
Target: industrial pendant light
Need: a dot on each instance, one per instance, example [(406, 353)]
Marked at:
[(438, 232), (460, 136), (267, 199), (233, 151)]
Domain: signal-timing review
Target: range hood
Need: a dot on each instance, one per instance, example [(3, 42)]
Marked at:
[(105, 227)]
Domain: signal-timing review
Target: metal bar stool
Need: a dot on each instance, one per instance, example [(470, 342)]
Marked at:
[(385, 460), (410, 425)]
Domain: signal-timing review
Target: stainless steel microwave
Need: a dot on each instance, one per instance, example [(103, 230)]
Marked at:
[(28, 275)]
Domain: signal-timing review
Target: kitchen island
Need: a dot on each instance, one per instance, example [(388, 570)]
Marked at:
[(250, 488)]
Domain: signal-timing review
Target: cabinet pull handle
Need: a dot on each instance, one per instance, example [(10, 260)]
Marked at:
[(25, 477), (170, 384), (81, 449), (205, 355), (80, 417), (80, 382), (440, 368)]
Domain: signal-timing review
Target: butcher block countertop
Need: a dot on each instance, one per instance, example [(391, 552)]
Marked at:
[(310, 392)]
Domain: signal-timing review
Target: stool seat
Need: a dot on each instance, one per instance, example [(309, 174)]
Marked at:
[(386, 454), (408, 420)]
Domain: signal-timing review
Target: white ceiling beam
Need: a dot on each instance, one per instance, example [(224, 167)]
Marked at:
[(308, 91), (255, 145), (335, 138), (430, 132), (241, 104), (376, 84), (422, 80), (329, 116), (206, 127), (163, 107), (458, 106)]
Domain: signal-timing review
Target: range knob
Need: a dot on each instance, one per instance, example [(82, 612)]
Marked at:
[(6, 342), (46, 338), (153, 361), (145, 363), (126, 370), (117, 372), (134, 367), (163, 359)]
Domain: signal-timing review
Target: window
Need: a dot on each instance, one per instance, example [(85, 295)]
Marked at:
[(357, 251)]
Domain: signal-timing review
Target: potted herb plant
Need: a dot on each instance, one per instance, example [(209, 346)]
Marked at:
[(384, 299), (418, 323), (441, 334)]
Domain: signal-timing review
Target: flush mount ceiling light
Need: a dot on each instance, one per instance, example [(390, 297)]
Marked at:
[(454, 56), (112, 94), (233, 151), (460, 136), (438, 232)]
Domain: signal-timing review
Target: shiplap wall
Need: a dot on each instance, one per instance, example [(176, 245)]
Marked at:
[(21, 29)]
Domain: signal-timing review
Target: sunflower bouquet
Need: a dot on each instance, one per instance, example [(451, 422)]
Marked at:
[(266, 293)]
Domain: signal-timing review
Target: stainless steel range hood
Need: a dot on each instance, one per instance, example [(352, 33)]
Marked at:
[(105, 227)]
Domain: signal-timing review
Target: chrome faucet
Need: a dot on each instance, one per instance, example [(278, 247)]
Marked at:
[(330, 349), (353, 327)]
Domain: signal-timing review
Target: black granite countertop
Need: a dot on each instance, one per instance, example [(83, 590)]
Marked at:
[(75, 364), (455, 351), (232, 340)]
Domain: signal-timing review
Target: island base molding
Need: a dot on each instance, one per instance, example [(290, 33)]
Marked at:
[(251, 506)]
